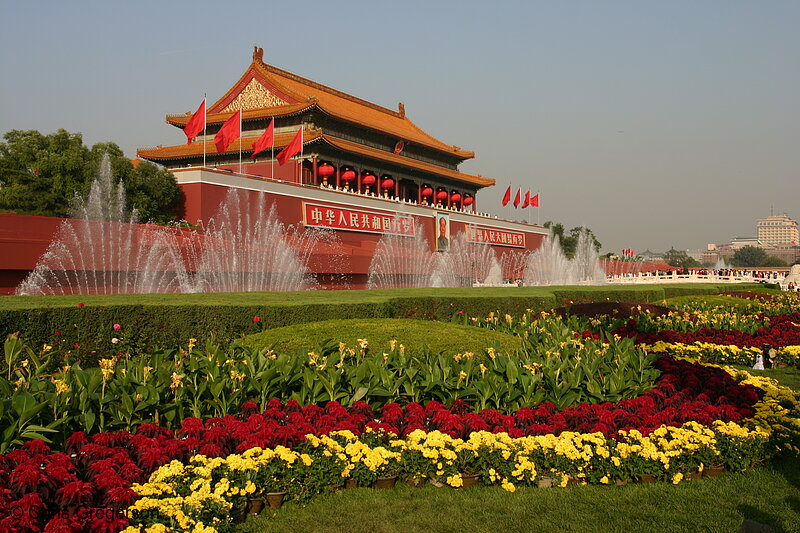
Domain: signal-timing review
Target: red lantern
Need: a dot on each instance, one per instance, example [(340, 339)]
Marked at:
[(468, 200), (455, 197), (387, 183), (427, 192), (325, 170), (368, 179), (441, 195), (348, 175)]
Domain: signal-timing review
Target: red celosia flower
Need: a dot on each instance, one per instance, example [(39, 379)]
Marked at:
[(211, 450), (120, 497), (76, 493), (64, 523)]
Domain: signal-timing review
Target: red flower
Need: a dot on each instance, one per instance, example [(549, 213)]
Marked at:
[(76, 493), (80, 305), (256, 319)]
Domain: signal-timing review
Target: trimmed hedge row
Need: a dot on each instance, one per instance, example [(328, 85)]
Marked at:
[(146, 326)]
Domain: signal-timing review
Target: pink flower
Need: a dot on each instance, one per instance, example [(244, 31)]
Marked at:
[(117, 327), (114, 340)]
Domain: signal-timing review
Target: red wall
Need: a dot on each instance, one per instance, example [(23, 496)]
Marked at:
[(23, 239)]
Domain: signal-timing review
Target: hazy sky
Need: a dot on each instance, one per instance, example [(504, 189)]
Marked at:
[(657, 124)]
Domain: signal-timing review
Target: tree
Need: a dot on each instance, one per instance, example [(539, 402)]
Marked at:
[(773, 261), (42, 174), (749, 256), (679, 258), (569, 243)]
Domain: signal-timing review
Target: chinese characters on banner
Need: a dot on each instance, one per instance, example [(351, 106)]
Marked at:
[(496, 237), (326, 216)]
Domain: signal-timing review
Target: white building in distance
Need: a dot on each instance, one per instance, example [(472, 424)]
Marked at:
[(778, 230)]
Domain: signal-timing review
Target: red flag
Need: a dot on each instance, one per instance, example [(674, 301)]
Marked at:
[(293, 148), (266, 140), (196, 123), (518, 198), (229, 132), (535, 200), (507, 196), (527, 200)]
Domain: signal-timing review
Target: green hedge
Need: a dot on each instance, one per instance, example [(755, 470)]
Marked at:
[(150, 321)]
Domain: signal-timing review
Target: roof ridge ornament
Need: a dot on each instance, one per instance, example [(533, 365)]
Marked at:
[(258, 55)]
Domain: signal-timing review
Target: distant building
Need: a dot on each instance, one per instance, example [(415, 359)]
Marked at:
[(651, 257), (778, 230), (740, 242)]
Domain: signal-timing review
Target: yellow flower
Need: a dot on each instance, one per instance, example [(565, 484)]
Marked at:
[(177, 381)]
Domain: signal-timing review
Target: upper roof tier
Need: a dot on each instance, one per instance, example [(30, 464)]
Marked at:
[(268, 91)]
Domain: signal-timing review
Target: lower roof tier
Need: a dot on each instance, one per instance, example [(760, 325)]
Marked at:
[(315, 144)]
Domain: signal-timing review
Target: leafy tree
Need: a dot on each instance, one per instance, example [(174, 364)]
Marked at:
[(679, 258), (773, 261), (42, 174), (749, 256), (569, 242)]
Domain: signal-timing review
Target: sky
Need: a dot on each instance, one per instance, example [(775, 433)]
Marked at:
[(656, 124)]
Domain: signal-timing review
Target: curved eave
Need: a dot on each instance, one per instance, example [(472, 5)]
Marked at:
[(438, 146), (192, 151), (195, 150), (252, 114), (389, 157)]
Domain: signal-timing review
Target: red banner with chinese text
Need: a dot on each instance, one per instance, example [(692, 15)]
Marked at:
[(497, 237), (327, 216)]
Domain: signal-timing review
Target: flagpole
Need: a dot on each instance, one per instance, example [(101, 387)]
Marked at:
[(205, 126), (300, 177), (240, 140), (538, 208), (272, 161), (529, 207)]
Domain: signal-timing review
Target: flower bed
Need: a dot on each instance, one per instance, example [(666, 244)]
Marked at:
[(196, 472), (690, 399), (207, 491)]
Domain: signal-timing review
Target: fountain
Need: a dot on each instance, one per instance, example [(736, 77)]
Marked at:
[(403, 262), (104, 250), (246, 248), (549, 266), (720, 264)]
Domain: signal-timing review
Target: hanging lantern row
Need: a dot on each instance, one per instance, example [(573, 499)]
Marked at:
[(368, 178)]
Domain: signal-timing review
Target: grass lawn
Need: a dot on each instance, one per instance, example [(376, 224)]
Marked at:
[(768, 494), (332, 297), (788, 376), (413, 334)]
